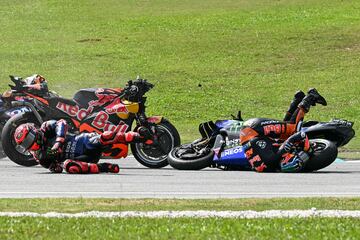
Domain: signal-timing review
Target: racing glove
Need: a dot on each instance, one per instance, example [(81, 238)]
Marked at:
[(55, 167), (294, 139), (58, 145)]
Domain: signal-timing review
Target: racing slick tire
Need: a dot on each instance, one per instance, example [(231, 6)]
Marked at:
[(155, 155), (11, 149), (184, 158), (325, 153)]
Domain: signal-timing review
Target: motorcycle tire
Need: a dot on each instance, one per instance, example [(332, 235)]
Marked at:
[(191, 162), (325, 153), (17, 155), (155, 156), (2, 153)]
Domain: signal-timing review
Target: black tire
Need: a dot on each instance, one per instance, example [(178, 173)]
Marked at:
[(2, 153), (185, 158), (9, 145), (155, 156), (325, 153)]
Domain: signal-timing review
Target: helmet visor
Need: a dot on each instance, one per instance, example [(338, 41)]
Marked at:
[(29, 140)]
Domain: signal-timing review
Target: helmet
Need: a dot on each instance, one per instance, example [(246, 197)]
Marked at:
[(27, 136)]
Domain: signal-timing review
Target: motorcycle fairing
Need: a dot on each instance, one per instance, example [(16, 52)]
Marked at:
[(154, 119), (233, 126)]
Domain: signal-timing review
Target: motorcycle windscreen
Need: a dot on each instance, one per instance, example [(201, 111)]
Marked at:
[(232, 156)]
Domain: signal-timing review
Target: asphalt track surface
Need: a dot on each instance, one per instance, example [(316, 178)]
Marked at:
[(136, 181)]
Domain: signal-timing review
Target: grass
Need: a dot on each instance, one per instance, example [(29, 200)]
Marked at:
[(73, 205), (181, 228), (184, 228), (208, 58)]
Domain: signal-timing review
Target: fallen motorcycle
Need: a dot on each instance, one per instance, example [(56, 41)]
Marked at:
[(92, 110), (220, 145)]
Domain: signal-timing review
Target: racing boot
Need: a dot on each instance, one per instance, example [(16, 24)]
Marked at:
[(108, 167), (312, 97), (299, 95)]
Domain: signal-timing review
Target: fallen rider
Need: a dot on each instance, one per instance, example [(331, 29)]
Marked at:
[(56, 150), (258, 135)]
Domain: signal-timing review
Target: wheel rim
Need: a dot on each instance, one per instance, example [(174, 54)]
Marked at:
[(189, 152), (318, 146), (157, 153)]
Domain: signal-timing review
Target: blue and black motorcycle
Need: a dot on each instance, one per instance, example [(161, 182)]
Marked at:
[(220, 145)]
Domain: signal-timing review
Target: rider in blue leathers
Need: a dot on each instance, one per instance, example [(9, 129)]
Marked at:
[(56, 150)]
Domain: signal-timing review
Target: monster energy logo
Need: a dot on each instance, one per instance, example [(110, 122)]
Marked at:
[(236, 127)]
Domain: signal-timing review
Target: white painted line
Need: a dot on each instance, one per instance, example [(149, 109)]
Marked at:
[(183, 193), (194, 214)]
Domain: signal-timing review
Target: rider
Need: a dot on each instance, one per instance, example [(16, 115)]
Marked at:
[(36, 84), (56, 150), (260, 135)]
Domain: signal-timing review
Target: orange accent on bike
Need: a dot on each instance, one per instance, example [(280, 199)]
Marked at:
[(87, 128), (121, 148), (246, 134), (38, 98), (306, 144), (76, 123), (154, 119)]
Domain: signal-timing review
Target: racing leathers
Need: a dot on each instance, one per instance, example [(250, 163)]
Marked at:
[(271, 145), (77, 153)]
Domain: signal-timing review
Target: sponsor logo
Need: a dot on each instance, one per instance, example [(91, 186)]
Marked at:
[(276, 128), (74, 111), (103, 97), (232, 151), (261, 144), (100, 121), (116, 107), (17, 111), (269, 122)]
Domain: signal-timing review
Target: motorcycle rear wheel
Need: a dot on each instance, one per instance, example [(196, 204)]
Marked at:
[(325, 153), (11, 149), (155, 156)]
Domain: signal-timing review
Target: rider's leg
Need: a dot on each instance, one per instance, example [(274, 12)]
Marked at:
[(79, 167), (299, 95), (142, 135), (312, 97)]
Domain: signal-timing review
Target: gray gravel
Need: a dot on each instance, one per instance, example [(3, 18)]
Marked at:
[(136, 181)]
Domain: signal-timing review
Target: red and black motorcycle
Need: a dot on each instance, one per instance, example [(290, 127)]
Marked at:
[(92, 110)]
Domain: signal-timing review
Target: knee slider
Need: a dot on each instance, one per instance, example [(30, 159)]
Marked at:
[(72, 166)]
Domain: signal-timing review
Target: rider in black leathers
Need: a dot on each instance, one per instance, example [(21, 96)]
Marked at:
[(271, 145), (56, 150)]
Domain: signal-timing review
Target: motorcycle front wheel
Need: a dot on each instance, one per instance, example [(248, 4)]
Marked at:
[(187, 157), (155, 155), (324, 154)]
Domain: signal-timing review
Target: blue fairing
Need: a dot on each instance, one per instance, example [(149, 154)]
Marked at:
[(231, 156)]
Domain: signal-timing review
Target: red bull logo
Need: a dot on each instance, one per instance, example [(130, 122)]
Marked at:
[(103, 97), (116, 107)]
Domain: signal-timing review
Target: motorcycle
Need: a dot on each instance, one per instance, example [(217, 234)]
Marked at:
[(220, 145), (91, 110)]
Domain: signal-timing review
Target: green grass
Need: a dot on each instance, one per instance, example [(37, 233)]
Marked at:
[(181, 228), (184, 228), (248, 55), (73, 205)]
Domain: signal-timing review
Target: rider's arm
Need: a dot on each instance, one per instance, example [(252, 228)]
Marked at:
[(57, 129)]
